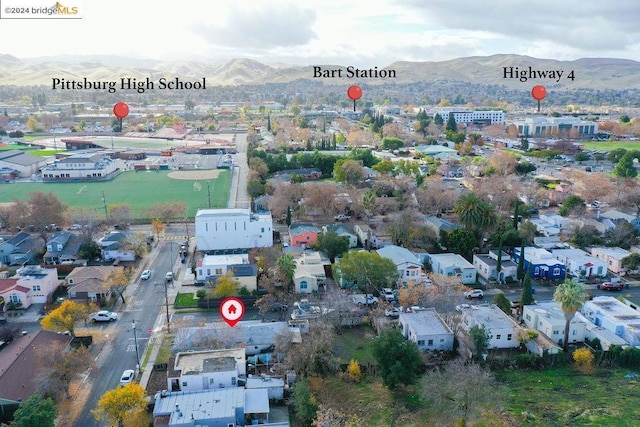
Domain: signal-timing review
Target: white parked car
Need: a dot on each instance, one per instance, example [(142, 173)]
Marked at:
[(474, 293), (387, 294), (127, 377), (104, 316), (169, 276), (146, 275)]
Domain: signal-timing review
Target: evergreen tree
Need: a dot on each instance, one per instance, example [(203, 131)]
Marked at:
[(520, 271), (452, 126), (526, 298), (437, 119), (499, 263), (269, 123)]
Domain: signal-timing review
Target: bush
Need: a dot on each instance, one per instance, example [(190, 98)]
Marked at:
[(629, 357), (528, 360), (583, 360), (353, 371)]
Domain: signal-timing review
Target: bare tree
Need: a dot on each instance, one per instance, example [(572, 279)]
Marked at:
[(60, 366), (458, 393), (314, 354)]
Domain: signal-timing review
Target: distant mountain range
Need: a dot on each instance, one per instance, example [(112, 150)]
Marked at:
[(588, 73)]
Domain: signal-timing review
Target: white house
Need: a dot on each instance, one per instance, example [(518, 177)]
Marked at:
[(454, 265), (605, 336), (580, 262), (501, 328), (309, 274), (613, 257), (487, 266), (115, 245), (41, 281), (408, 265), (427, 330), (220, 229), (366, 236), (548, 319), (211, 267), (550, 225), (614, 316), (204, 370)]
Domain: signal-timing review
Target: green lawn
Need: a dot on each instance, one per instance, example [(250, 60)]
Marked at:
[(610, 145), (187, 299), (562, 397), (138, 190)]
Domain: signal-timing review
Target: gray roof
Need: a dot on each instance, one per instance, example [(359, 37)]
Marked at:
[(202, 405), (425, 322), (398, 255), (244, 334), (20, 158)]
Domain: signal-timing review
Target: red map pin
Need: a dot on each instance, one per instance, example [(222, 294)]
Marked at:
[(231, 310), (121, 110), (538, 93), (354, 93)]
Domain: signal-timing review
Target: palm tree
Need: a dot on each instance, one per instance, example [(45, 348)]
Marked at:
[(287, 268), (570, 295), (475, 214)]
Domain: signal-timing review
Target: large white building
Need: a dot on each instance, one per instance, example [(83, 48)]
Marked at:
[(81, 166), (225, 229), (488, 117), (549, 126), (501, 328), (615, 316)]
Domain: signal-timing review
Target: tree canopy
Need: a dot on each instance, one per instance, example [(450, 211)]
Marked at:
[(359, 269), (35, 411), (122, 405), (399, 360), (66, 316), (332, 244)]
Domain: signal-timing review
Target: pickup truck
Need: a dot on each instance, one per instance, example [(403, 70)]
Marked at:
[(104, 316), (364, 299)]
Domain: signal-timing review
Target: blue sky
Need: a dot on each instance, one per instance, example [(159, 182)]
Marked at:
[(363, 33)]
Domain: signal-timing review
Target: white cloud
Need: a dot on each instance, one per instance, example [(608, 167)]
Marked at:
[(334, 31)]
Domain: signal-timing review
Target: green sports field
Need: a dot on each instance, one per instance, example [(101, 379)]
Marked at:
[(139, 190)]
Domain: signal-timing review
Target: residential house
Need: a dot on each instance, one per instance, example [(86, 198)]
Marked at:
[(613, 257), (427, 330), (548, 319), (550, 225), (605, 336), (224, 407), (438, 224), (62, 248), (541, 263), (14, 294), (366, 236), (310, 274), (88, 283), (304, 235), (501, 328), (408, 265), (453, 265), (211, 267), (615, 316), (42, 281), (487, 267), (549, 242), (234, 228), (581, 263), (342, 231), (599, 226), (20, 249), (117, 246), (274, 386), (254, 336), (21, 359), (209, 369)]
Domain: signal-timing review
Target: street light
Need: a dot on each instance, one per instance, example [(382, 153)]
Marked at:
[(135, 338)]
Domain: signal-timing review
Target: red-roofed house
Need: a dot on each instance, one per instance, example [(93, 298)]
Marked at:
[(14, 293)]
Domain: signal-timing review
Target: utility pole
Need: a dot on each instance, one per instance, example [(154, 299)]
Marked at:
[(135, 338), (209, 194)]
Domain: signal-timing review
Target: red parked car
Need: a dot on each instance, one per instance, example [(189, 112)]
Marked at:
[(608, 286)]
